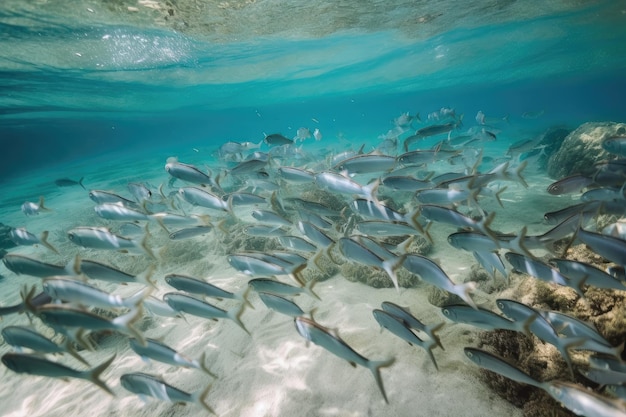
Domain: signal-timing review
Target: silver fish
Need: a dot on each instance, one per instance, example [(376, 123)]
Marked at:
[(269, 217), (322, 336), (398, 327), (36, 365), (119, 212), (482, 318), (405, 315), (343, 185), (609, 247), (198, 286), (20, 337), (81, 293), (104, 197), (571, 184), (582, 401), (190, 232), (104, 272), (500, 366), (273, 286), (21, 236), (587, 274), (359, 253), (139, 191), (66, 315), (296, 175), (367, 163), (432, 273), (103, 238), (296, 243), (281, 304), (187, 172), (155, 350), (24, 265), (198, 197), (144, 384), (67, 182), (31, 209), (184, 303)]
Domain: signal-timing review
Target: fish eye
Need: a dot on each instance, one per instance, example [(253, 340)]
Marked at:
[(500, 305), (70, 236), (469, 354), (446, 311)]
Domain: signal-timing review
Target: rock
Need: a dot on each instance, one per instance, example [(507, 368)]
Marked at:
[(581, 149)]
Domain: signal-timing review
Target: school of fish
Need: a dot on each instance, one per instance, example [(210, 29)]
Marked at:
[(398, 188)]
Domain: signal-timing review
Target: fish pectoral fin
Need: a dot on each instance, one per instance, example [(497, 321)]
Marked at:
[(352, 363)]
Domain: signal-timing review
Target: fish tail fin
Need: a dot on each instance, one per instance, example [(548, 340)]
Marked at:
[(371, 189), (431, 332), (41, 204), (200, 398), (497, 195), (464, 290), (80, 182), (564, 349), (93, 375), (391, 265), (518, 173), (374, 367), (70, 349), (235, 315), (243, 296), (125, 322), (413, 221), (135, 299), (44, 241), (159, 220)]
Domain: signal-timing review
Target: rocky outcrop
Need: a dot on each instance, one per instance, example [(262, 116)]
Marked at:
[(582, 148)]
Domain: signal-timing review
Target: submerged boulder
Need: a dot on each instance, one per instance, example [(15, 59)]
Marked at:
[(582, 148), (5, 239)]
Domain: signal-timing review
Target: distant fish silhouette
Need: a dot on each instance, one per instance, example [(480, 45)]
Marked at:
[(66, 182)]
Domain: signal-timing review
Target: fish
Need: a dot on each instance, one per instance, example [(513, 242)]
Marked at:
[(259, 264), (323, 337), (198, 286), (24, 337), (144, 384), (432, 130), (357, 252), (119, 212), (199, 197), (277, 139), (32, 209), (158, 351), (140, 192), (273, 286), (367, 163), (190, 232), (540, 270), (405, 315), (103, 238), (450, 216), (24, 265), (482, 318), (496, 364), (295, 175), (609, 247), (432, 273), (21, 236), (399, 327), (81, 293), (269, 217), (405, 183), (587, 274), (36, 365), (104, 197), (184, 303), (280, 304), (344, 185), (66, 182), (572, 184), (296, 243), (187, 172), (66, 315), (583, 401), (540, 327), (104, 272), (265, 230)]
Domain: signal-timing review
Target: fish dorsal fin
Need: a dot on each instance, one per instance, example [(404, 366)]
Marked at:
[(172, 159)]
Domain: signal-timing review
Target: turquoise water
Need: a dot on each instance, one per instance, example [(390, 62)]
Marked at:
[(103, 91)]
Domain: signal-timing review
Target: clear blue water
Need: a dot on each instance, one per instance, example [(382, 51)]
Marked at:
[(80, 86)]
